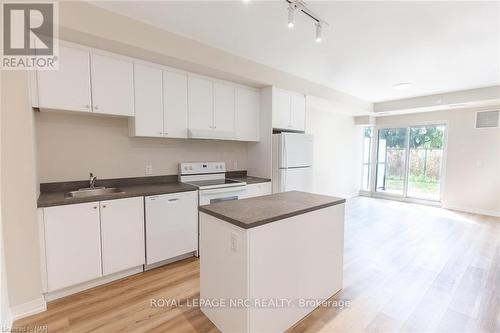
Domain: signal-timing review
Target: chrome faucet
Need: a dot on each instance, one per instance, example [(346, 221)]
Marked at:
[(92, 180)]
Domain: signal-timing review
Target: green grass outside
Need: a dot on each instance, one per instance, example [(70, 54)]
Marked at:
[(416, 187)]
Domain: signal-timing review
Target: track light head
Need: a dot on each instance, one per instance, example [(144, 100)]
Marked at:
[(319, 36), (291, 16)]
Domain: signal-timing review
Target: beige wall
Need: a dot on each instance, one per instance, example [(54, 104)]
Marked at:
[(5, 316), (337, 152), (472, 174), (69, 146), (19, 191)]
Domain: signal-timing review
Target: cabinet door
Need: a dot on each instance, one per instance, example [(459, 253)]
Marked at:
[(200, 103), (224, 107), (72, 244), (112, 86), (175, 104), (171, 225), (122, 234), (298, 113), (247, 117), (67, 88), (255, 190), (148, 100), (281, 109)]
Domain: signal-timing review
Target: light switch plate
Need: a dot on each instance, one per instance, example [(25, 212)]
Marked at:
[(234, 241)]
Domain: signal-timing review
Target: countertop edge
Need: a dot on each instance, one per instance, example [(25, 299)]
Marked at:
[(271, 219), (116, 196), (250, 180)]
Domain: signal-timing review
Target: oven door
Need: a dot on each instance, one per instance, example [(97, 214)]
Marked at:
[(221, 194)]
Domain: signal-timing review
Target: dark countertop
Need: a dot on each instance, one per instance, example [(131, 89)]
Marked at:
[(251, 180), (133, 187), (253, 212)]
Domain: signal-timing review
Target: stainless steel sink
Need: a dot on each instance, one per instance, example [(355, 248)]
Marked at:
[(90, 192)]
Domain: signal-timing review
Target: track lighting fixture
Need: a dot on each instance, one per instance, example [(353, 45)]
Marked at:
[(319, 36), (301, 6), (291, 16)]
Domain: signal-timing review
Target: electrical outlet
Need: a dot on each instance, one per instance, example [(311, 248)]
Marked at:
[(235, 165), (149, 170), (234, 241)]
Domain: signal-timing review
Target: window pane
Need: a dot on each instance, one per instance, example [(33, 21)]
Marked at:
[(426, 156), (366, 177), (391, 160), (367, 149)]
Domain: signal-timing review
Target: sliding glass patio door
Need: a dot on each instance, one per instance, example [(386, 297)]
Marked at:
[(409, 161)]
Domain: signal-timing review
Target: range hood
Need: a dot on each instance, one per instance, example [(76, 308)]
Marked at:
[(211, 134)]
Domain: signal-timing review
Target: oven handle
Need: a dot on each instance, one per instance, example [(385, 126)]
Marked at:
[(231, 198), (224, 189)]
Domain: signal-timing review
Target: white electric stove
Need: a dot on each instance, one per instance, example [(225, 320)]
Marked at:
[(210, 179)]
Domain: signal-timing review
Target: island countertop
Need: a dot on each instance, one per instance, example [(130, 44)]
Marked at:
[(253, 212)]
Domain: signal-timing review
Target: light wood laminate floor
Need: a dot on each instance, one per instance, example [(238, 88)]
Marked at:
[(407, 268)]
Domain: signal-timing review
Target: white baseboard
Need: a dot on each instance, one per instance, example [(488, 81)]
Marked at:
[(473, 210), (6, 322), (50, 296), (27, 309), (169, 261)]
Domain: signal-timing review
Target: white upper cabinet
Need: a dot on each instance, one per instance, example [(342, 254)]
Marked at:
[(112, 85), (72, 244), (289, 110), (201, 103), (159, 101), (122, 234), (175, 104), (281, 109), (247, 114), (224, 103), (298, 112), (148, 91), (67, 88)]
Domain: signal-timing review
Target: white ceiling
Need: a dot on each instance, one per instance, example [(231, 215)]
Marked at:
[(369, 46)]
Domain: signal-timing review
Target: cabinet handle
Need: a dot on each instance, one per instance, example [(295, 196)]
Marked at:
[(96, 107), (103, 206), (87, 106), (94, 207), (170, 200), (165, 133)]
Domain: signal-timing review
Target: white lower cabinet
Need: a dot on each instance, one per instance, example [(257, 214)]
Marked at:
[(122, 234), (87, 241), (72, 244), (255, 190), (171, 225)]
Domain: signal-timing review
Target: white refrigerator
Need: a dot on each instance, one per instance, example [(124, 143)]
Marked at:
[(292, 162)]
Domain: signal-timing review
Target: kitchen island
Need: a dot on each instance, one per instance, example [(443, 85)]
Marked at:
[(266, 262)]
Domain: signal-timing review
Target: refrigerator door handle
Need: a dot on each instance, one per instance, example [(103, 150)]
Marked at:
[(285, 156), (283, 186)]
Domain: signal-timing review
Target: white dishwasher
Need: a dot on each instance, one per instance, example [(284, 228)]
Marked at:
[(171, 226)]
